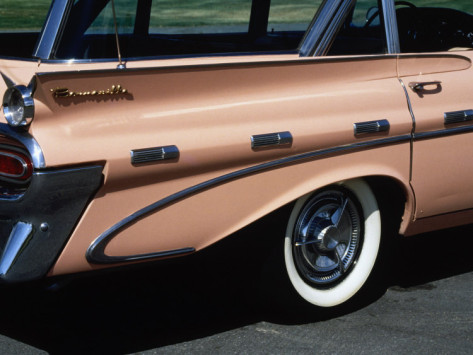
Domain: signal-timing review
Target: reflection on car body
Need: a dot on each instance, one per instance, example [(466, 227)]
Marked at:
[(139, 130)]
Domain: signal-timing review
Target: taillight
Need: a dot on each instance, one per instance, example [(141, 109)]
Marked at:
[(15, 165)]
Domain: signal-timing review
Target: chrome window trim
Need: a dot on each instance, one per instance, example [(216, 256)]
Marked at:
[(321, 21), (334, 26), (305, 61), (96, 252), (28, 141), (52, 27), (167, 57), (390, 26), (316, 41)]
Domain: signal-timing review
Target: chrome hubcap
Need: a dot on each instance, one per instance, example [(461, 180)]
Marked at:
[(327, 237)]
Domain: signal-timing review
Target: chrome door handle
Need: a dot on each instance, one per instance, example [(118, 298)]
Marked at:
[(420, 86)]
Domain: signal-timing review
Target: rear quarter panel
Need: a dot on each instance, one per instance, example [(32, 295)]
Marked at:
[(210, 110)]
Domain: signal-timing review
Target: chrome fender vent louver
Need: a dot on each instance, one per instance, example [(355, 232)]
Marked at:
[(458, 116), (371, 127), (150, 155), (260, 141)]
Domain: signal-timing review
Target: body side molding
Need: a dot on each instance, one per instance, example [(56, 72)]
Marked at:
[(96, 251)]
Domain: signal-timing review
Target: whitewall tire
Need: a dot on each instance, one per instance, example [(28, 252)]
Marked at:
[(332, 241)]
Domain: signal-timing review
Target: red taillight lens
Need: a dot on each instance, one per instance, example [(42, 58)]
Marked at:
[(15, 165)]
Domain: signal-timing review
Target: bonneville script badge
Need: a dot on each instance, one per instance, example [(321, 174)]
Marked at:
[(65, 92)]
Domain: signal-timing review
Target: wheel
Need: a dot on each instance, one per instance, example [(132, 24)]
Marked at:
[(331, 243)]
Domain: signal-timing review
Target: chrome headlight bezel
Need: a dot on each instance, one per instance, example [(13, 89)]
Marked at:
[(18, 106)]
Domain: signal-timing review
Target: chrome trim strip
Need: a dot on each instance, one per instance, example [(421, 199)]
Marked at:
[(96, 251), (443, 132), (305, 61), (321, 21), (19, 237), (98, 256), (411, 112), (28, 141), (333, 27), (165, 57), (458, 116), (368, 127), (149, 155), (51, 30), (390, 26), (409, 106), (271, 140)]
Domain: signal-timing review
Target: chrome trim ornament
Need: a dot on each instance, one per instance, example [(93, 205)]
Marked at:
[(18, 103), (458, 116), (149, 155), (271, 140), (371, 127), (65, 92)]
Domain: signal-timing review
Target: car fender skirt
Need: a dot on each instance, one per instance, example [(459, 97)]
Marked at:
[(35, 227)]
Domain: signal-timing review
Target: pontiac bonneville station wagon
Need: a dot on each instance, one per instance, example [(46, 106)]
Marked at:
[(135, 130)]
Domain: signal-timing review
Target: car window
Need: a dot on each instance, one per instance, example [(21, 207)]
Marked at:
[(104, 23), (291, 15), (199, 17), (186, 27), (435, 25)]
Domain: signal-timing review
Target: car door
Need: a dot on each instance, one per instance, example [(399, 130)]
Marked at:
[(439, 86)]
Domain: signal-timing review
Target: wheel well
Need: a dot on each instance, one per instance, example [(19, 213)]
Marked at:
[(391, 198)]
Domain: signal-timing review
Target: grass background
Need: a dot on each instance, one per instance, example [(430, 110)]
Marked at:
[(29, 15)]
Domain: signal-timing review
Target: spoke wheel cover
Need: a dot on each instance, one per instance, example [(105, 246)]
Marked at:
[(324, 249)]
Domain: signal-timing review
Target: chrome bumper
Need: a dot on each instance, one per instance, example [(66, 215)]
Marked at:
[(35, 227)]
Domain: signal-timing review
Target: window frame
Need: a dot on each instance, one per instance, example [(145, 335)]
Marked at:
[(316, 41)]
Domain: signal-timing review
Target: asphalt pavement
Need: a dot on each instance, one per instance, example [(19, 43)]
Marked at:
[(203, 304)]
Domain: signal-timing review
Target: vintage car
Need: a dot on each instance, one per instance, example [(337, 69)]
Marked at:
[(140, 130)]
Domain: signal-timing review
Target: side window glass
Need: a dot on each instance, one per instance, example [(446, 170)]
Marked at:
[(435, 25), (155, 28), (291, 15), (104, 24), (224, 26), (199, 17), (363, 31)]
